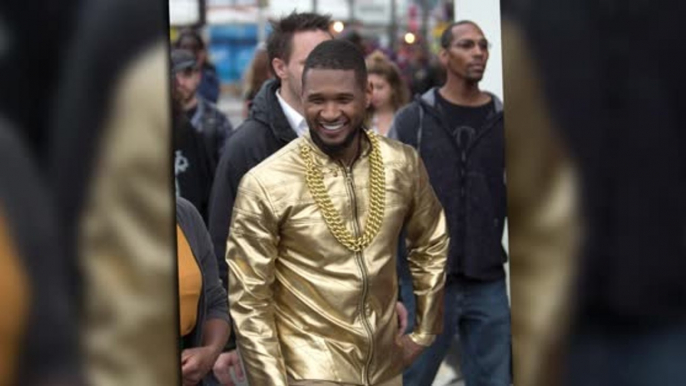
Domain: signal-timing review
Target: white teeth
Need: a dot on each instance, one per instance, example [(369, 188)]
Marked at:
[(332, 127)]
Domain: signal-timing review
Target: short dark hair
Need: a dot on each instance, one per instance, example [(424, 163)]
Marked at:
[(338, 55), (447, 35), (280, 41)]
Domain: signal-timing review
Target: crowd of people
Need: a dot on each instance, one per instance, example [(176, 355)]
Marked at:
[(301, 287), (349, 231)]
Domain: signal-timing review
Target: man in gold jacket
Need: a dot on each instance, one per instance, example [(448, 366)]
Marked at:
[(314, 234)]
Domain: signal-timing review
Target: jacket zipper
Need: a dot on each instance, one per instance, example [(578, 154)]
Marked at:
[(360, 261)]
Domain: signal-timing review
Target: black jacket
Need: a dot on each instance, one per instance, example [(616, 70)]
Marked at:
[(214, 126), (193, 170), (261, 135), (469, 180)]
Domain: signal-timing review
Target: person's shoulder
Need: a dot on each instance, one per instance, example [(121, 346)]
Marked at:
[(280, 162), (410, 109), (248, 134), (410, 112), (192, 224), (210, 106), (186, 213), (495, 101), (209, 69), (274, 175), (396, 152), (406, 120)]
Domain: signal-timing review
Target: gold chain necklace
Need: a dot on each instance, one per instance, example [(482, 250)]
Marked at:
[(377, 199)]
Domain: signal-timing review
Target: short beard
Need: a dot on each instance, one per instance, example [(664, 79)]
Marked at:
[(475, 79), (335, 150), (188, 99)]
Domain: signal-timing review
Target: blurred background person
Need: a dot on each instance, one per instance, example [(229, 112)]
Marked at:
[(193, 167), (390, 93), (209, 87), (458, 130), (27, 43), (620, 117), (39, 320), (203, 303), (421, 71), (207, 120), (257, 73), (352, 35), (542, 205), (110, 165)]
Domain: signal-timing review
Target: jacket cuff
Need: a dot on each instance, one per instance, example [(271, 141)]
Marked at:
[(422, 339)]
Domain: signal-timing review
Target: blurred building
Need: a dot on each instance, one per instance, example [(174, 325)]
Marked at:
[(234, 27)]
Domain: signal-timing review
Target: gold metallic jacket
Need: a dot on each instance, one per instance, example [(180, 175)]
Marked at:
[(304, 306)]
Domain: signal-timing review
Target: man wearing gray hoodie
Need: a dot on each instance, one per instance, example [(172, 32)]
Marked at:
[(458, 131)]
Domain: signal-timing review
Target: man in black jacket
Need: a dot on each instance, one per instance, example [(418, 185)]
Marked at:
[(275, 120), (205, 117), (458, 130), (193, 165)]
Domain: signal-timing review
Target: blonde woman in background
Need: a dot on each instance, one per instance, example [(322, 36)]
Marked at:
[(389, 95)]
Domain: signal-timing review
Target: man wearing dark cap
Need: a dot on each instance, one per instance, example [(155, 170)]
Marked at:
[(203, 114), (193, 150), (189, 39)]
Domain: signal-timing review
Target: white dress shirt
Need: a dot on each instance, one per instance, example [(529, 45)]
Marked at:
[(297, 121)]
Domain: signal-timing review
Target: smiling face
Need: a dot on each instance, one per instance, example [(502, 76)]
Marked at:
[(335, 106)]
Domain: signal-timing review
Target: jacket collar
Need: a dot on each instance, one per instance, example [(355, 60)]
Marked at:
[(322, 158), (267, 110)]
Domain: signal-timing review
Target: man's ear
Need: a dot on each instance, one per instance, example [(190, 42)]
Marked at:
[(443, 57), (280, 67)]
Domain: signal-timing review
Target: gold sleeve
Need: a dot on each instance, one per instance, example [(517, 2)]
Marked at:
[(251, 254), (427, 247)]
